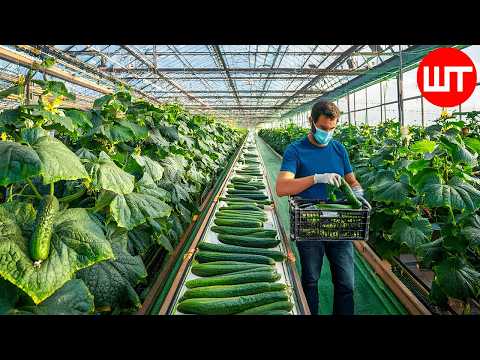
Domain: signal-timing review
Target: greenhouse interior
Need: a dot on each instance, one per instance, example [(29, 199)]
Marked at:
[(163, 180)]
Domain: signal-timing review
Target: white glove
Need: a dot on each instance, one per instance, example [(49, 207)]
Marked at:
[(357, 190), (328, 178)]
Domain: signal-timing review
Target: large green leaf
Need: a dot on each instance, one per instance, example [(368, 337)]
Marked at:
[(58, 161), (389, 190), (458, 151), (73, 298), (456, 195), (106, 175), (112, 282), (77, 242), (157, 138), (139, 240), (133, 209), (140, 132), (170, 132), (146, 185), (412, 233), (118, 133), (471, 231), (17, 163), (473, 144), (151, 167), (425, 176), (423, 146), (80, 118), (458, 279)]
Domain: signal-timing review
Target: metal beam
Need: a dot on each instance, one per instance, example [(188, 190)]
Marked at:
[(340, 59), (154, 70), (262, 70), (221, 78), (221, 60), (21, 59), (237, 53), (307, 92)]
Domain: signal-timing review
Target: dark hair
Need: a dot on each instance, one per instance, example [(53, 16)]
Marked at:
[(327, 108)]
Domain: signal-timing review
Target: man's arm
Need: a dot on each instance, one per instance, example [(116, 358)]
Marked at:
[(287, 184), (351, 180)]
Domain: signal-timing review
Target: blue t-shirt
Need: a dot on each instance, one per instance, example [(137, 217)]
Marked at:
[(304, 159)]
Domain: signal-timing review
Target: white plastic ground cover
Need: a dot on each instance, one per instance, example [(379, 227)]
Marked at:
[(211, 237)]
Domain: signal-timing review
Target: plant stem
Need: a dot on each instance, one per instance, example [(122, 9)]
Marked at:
[(52, 189), (10, 193), (37, 194)]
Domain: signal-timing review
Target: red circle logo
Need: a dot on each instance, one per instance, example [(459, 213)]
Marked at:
[(446, 77)]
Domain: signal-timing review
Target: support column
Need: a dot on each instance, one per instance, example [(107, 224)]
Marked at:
[(348, 109), (400, 89)]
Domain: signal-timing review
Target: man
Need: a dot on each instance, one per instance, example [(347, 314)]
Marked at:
[(309, 164)]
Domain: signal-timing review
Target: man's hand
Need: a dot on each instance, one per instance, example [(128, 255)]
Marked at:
[(328, 178), (358, 191)]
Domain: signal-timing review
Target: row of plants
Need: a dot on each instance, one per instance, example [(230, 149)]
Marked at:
[(85, 195), (425, 194)]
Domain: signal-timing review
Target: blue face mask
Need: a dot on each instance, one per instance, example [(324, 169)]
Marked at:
[(322, 137)]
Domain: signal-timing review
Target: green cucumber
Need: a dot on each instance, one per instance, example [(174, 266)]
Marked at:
[(238, 223), (241, 207), (221, 291), (334, 206), (248, 241), (237, 217), (209, 256), (230, 305), (277, 312), (234, 230), (263, 309), (274, 254), (43, 228), (233, 279), (349, 195), (249, 196), (213, 268), (241, 187), (253, 232), (243, 199)]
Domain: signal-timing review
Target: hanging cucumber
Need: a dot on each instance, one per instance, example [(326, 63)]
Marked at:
[(42, 233), (351, 198)]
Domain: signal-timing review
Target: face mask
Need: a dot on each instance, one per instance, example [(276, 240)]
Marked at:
[(322, 137)]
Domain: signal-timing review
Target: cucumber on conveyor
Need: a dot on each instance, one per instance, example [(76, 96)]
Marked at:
[(235, 278), (209, 256), (242, 187), (234, 230), (241, 207), (223, 267), (255, 232), (230, 305), (236, 217), (240, 213), (248, 241), (238, 223), (274, 254), (221, 291), (264, 309)]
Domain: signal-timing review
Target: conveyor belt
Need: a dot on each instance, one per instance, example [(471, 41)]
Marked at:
[(372, 296), (286, 270)]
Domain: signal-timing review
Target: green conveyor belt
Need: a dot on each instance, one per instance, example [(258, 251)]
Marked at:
[(372, 296)]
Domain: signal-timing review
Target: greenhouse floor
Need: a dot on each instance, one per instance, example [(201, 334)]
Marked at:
[(372, 296)]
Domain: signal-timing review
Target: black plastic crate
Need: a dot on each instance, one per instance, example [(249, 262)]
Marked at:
[(327, 224)]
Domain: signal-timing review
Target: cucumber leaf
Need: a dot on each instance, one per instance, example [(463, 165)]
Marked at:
[(412, 233), (151, 167), (139, 240), (77, 242), (112, 282), (457, 278), (133, 209), (456, 195), (58, 161), (73, 298), (423, 146), (17, 163), (389, 190), (106, 175)]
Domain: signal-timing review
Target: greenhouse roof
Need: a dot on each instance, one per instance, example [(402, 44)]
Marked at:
[(250, 83)]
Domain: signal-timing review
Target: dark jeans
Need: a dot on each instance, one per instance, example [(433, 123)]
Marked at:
[(340, 256)]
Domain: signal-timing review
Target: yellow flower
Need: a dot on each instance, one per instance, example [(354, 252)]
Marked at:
[(4, 136)]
